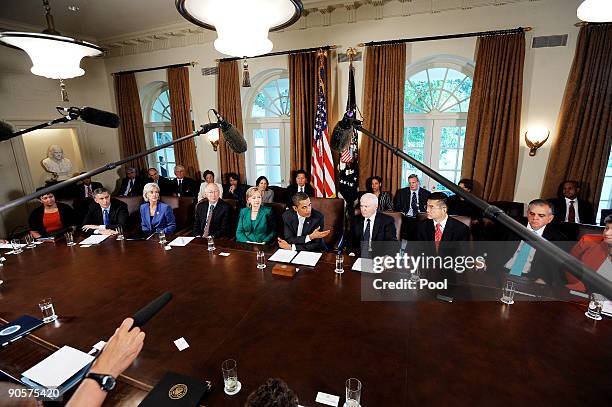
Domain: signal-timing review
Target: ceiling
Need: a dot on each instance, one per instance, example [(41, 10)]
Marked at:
[(99, 19)]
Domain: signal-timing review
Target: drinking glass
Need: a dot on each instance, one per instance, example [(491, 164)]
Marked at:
[(261, 259), (415, 277), (339, 264), (230, 376), (29, 241), (16, 246), (508, 292), (119, 231), (48, 311), (162, 236), (211, 244), (595, 306), (69, 238), (353, 392)]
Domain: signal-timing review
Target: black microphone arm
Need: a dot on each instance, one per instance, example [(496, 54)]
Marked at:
[(205, 128), (573, 265)]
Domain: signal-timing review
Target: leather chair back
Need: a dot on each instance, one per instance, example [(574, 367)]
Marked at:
[(133, 202), (397, 219), (278, 209), (183, 209), (333, 210), (280, 194), (515, 210), (574, 231)]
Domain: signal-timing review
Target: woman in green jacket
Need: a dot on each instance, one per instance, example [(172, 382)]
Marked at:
[(255, 222)]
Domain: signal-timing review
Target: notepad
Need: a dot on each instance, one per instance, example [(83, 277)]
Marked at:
[(307, 258), (94, 239), (181, 241), (283, 256), (56, 369)]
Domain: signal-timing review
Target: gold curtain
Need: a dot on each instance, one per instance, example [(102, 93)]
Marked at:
[(131, 130), (383, 111), (584, 128), (230, 107), (490, 155), (180, 110)]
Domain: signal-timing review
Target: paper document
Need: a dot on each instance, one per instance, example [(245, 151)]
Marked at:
[(59, 367), (94, 239), (607, 308), (10, 246), (363, 265), (283, 256), (306, 258), (181, 241)]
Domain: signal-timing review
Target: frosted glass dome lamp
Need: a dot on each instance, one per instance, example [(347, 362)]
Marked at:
[(595, 11), (242, 26)]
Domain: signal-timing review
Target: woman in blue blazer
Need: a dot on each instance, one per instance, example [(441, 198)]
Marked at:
[(155, 215), (255, 222)]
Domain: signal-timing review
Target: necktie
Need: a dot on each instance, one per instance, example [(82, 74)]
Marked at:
[(129, 187), (105, 217), (301, 189), (211, 208), (521, 259), (438, 235), (88, 193), (366, 232), (571, 213), (300, 226), (413, 204)]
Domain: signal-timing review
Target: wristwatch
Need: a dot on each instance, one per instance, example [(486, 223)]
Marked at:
[(106, 381)]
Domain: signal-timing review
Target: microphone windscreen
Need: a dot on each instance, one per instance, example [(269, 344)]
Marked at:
[(6, 130), (341, 136), (234, 139), (151, 309), (99, 117)]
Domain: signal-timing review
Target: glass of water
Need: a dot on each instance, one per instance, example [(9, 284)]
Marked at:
[(162, 236), (595, 306), (415, 276), (261, 259), (16, 246), (211, 244), (48, 311), (353, 392), (119, 231), (230, 376), (508, 292), (69, 238), (29, 240), (339, 264)]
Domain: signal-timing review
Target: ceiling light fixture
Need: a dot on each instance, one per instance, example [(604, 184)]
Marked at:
[(242, 26), (595, 11)]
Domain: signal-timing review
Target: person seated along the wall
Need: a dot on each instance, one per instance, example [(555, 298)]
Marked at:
[(209, 178), (235, 190), (273, 393), (301, 185), (303, 226), (52, 218), (213, 216), (570, 208), (182, 185), (374, 186), (85, 188), (108, 214), (255, 222), (528, 262), (131, 185), (266, 193), (165, 185), (412, 199), (459, 206), (370, 226), (155, 215)]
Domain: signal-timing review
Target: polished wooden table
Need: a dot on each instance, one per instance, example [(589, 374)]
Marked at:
[(313, 330)]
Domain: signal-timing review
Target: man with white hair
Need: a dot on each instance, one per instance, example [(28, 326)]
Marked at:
[(371, 226), (213, 215), (184, 186)]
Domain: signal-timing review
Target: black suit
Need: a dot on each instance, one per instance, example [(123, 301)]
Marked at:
[(458, 206), (383, 230), (403, 198), (291, 223), (117, 215), (239, 194), (220, 223), (292, 190), (585, 210), (136, 189), (166, 187), (454, 231), (188, 187)]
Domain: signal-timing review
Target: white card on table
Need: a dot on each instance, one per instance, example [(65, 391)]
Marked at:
[(94, 239), (181, 344), (181, 241), (328, 399)]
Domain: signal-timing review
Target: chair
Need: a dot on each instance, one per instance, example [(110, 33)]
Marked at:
[(333, 211), (515, 210), (574, 231), (133, 203), (397, 219), (604, 213), (183, 209), (278, 209), (280, 194)]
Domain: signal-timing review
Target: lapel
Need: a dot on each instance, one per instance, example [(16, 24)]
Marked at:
[(294, 222), (258, 218), (375, 227), (446, 235), (158, 213)]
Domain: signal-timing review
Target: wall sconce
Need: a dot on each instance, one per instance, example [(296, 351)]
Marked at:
[(213, 137), (535, 138)]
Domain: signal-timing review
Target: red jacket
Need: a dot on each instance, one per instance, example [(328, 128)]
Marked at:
[(591, 250)]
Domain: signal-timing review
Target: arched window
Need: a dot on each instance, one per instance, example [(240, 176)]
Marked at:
[(436, 101), (267, 127), (156, 106)]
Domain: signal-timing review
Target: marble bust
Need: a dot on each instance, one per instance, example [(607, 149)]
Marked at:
[(57, 164)]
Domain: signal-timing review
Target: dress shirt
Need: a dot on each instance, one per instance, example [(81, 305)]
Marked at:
[(301, 221), (442, 224), (410, 211), (130, 185), (102, 227), (532, 251), (365, 225), (567, 206)]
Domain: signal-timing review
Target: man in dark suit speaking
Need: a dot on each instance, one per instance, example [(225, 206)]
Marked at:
[(439, 227), (104, 217), (370, 226), (212, 215), (184, 186), (303, 226)]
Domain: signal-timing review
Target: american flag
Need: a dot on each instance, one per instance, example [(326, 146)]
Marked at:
[(322, 162)]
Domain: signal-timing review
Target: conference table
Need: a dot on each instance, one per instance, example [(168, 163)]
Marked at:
[(313, 330)]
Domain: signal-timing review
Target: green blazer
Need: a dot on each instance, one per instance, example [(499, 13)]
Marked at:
[(261, 230)]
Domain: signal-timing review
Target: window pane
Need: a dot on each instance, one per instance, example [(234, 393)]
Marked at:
[(414, 137), (274, 175), (259, 137), (607, 188), (260, 155), (272, 156), (450, 137), (272, 100), (448, 159), (437, 89), (273, 137), (160, 110)]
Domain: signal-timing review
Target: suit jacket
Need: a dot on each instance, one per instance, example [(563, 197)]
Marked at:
[(292, 190), (117, 216), (590, 250), (166, 187), (542, 266), (239, 194), (189, 187), (457, 206), (454, 231), (220, 223), (79, 189), (291, 223), (163, 218), (36, 219), (383, 230), (403, 197), (136, 188), (585, 210), (261, 230)]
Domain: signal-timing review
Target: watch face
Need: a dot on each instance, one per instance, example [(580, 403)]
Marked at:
[(108, 382)]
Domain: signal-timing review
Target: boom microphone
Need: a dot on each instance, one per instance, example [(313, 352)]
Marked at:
[(6, 130), (151, 309), (93, 116), (342, 133), (232, 136)]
